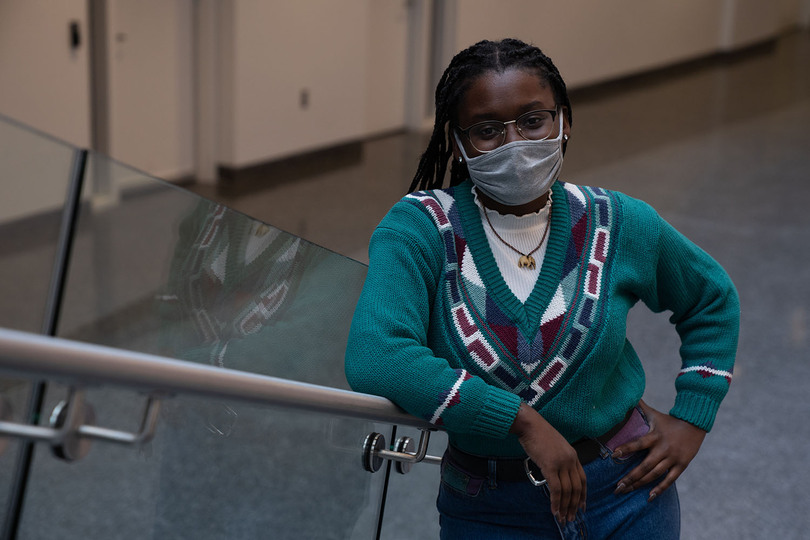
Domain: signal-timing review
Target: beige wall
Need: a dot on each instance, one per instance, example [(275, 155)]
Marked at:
[(386, 66), (592, 41), (364, 65), (284, 49), (51, 94), (804, 14), (151, 103), (345, 59), (338, 46), (794, 13), (44, 83)]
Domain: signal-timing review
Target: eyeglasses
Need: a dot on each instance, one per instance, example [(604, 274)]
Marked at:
[(532, 126)]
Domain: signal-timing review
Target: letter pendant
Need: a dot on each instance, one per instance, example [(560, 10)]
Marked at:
[(526, 261)]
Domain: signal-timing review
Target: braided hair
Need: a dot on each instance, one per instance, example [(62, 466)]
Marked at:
[(464, 68)]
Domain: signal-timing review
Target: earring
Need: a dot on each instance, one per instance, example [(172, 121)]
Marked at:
[(565, 137), (460, 160)]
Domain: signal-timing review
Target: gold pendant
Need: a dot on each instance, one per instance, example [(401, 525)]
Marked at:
[(526, 261)]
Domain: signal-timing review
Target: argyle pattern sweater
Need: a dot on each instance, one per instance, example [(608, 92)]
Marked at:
[(438, 331)]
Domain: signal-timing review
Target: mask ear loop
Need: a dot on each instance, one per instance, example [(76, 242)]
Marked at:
[(463, 155)]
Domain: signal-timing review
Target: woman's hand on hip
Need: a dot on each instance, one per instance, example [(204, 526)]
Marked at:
[(557, 460), (672, 444)]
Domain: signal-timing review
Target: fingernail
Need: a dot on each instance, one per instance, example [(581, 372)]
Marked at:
[(617, 454), (653, 495), (619, 488)]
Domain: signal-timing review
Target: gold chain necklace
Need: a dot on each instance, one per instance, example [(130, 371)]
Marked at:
[(526, 260)]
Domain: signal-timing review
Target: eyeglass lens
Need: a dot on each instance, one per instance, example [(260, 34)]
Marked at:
[(533, 126)]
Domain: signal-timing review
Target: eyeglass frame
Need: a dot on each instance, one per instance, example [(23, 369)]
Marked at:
[(466, 131)]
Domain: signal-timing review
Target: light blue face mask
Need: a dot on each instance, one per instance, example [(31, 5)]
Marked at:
[(518, 172)]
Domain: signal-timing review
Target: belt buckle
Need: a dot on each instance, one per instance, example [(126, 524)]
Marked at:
[(528, 469)]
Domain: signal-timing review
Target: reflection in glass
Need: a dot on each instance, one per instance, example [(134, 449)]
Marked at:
[(166, 272), (244, 295), (34, 175)]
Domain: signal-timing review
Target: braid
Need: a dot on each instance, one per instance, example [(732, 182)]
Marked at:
[(464, 68)]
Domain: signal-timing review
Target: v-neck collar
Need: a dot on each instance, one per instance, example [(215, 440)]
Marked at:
[(526, 315)]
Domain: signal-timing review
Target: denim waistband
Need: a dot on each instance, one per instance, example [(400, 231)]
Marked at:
[(513, 469)]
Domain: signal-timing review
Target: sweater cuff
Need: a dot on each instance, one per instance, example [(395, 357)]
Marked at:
[(497, 415), (696, 409)]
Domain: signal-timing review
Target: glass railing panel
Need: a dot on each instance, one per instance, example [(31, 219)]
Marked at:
[(215, 469), (34, 176), (16, 395), (157, 269), (164, 271), (414, 494)]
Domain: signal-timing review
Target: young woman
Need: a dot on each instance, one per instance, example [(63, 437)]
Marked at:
[(497, 310)]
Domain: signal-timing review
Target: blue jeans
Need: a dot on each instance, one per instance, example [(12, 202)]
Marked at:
[(482, 508)]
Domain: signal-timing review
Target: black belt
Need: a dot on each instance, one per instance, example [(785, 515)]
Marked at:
[(514, 469)]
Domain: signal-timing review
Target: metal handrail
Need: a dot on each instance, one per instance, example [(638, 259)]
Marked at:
[(34, 356)]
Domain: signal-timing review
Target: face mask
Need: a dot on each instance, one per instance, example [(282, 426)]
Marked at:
[(518, 172)]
